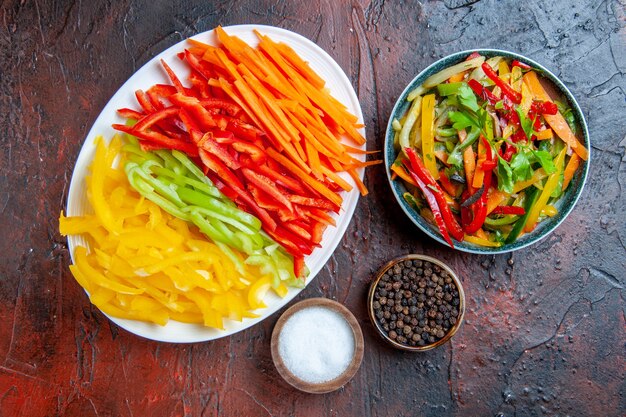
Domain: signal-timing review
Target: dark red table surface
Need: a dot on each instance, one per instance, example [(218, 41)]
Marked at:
[(544, 332)]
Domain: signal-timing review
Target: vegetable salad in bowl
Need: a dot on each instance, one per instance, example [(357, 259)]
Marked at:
[(485, 151)]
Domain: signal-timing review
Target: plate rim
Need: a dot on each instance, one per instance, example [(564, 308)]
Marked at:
[(108, 114)]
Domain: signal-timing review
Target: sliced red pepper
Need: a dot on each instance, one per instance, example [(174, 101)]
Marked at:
[(434, 206), (298, 230), (520, 64), (144, 102), (222, 171), (210, 145), (230, 108), (509, 151), (319, 215), (223, 136), (150, 146), (519, 136), (201, 115), (267, 186), (298, 266), (488, 165), (179, 86), (417, 167), (130, 114), (284, 234), (473, 217), (317, 232), (508, 112), (544, 107), (226, 190), (506, 89), (282, 180), (188, 121), (162, 90), (257, 154), (518, 211), (295, 248), (199, 84), (160, 139), (198, 65), (244, 130), (314, 202), (472, 56), (482, 92), (268, 203), (153, 118)]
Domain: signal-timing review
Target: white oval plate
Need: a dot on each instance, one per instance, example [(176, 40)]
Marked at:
[(152, 73)]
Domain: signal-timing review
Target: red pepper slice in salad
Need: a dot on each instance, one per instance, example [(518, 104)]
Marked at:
[(515, 210), (417, 167), (505, 87)]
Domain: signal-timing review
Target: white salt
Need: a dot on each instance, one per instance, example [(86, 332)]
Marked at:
[(316, 344)]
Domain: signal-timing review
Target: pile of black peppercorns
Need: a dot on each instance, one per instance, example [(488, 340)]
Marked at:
[(416, 302)]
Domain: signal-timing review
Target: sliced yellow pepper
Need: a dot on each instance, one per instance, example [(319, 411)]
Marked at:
[(257, 292), (516, 79), (428, 136), (481, 242), (549, 210)]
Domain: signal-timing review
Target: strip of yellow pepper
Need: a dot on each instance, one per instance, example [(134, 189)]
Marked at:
[(550, 186), (428, 135)]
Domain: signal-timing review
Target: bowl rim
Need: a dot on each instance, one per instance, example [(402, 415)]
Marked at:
[(543, 232), (380, 330), (345, 376)]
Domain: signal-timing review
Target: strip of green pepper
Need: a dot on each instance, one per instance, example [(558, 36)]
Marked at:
[(531, 198)]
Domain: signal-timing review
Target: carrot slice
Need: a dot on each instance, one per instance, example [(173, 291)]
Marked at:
[(299, 64), (557, 122), (362, 188), (334, 177), (570, 169), (302, 175), (313, 158)]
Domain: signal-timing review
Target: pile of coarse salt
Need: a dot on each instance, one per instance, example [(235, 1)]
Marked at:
[(316, 344)]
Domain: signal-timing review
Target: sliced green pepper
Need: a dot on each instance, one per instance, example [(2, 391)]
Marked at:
[(531, 198)]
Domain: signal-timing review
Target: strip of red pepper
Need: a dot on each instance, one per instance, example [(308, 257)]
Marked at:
[(159, 139), (267, 186), (473, 217), (257, 154), (520, 64), (506, 89), (544, 107), (150, 119), (417, 167), (434, 207), (518, 211), (508, 152), (482, 92), (195, 109), (130, 113)]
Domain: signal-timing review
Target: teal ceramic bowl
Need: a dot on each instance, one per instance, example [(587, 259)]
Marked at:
[(565, 205)]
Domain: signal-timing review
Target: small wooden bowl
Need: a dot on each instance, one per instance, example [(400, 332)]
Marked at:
[(333, 384), (381, 331)]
